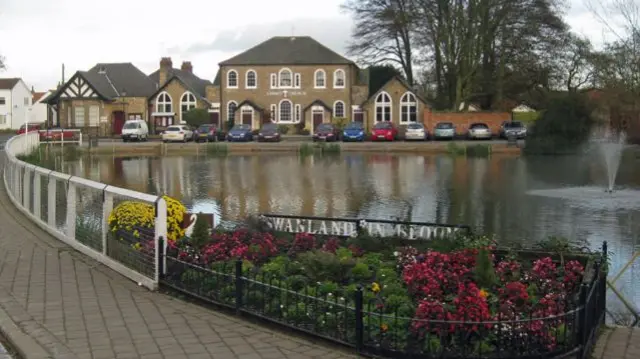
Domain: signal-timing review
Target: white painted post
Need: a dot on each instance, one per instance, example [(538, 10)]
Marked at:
[(161, 231), (80, 138), (37, 194), (17, 180), (107, 207), (51, 201), (26, 188), (71, 210)]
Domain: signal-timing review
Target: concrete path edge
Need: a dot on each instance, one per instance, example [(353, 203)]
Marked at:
[(26, 346)]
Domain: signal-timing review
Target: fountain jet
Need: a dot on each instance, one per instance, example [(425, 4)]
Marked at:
[(611, 146)]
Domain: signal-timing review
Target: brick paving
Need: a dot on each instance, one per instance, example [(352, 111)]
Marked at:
[(65, 305), (618, 343)]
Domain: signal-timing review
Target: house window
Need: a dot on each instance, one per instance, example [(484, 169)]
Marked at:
[(408, 108), (274, 81), (286, 111), (297, 81), (251, 80), (231, 111), (285, 78), (232, 79), (273, 113), (3, 101), (163, 103), (338, 78), (298, 112), (338, 109), (3, 119), (26, 101), (78, 118), (383, 107), (94, 116), (187, 103), (320, 79)]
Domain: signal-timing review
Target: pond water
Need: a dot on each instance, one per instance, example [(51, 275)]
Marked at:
[(513, 198)]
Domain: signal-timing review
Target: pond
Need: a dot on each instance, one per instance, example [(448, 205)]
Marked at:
[(513, 198)]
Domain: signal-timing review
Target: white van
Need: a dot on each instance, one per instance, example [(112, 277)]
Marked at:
[(135, 130)]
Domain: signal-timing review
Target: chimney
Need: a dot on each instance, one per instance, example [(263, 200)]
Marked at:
[(165, 66), (186, 66)]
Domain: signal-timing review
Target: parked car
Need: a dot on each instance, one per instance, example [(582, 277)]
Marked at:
[(181, 133), (240, 133), (135, 130), (32, 127), (354, 131), (444, 131), (515, 128), (57, 134), (384, 131), (479, 131), (416, 131), (207, 133), (326, 132), (269, 132)]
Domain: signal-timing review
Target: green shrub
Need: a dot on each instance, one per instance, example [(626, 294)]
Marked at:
[(454, 149), (361, 272), (284, 129), (478, 150), (201, 232)]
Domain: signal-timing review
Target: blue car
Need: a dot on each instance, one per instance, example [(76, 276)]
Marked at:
[(354, 131), (240, 133)]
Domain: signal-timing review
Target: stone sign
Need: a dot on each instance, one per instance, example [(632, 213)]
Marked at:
[(349, 227)]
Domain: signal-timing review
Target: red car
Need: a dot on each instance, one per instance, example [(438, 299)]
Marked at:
[(384, 131), (57, 134), (32, 127)]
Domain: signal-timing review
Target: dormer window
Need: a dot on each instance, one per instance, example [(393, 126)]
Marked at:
[(285, 78), (102, 70), (232, 79), (338, 79)]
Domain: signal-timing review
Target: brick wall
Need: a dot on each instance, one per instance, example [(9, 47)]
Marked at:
[(462, 120)]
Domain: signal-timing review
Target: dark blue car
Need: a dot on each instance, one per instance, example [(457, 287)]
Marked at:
[(354, 131), (240, 133)]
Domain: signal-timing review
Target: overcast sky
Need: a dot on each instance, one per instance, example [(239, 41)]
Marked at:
[(38, 36)]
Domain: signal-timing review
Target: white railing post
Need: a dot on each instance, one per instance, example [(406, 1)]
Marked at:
[(71, 209), (160, 232), (51, 201), (37, 194), (107, 207), (26, 188), (80, 138), (16, 182)]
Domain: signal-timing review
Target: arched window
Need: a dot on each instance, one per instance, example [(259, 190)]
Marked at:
[(163, 103), (320, 79), (232, 79), (338, 78), (383, 107), (187, 102), (285, 78), (286, 108), (408, 108), (251, 80), (338, 109), (231, 111)]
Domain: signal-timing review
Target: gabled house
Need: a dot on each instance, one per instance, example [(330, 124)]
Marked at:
[(177, 92), (100, 100), (15, 103), (41, 112)]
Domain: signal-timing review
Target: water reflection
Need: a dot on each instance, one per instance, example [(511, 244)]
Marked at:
[(491, 195)]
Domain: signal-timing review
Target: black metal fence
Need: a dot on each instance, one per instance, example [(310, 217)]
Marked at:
[(359, 323)]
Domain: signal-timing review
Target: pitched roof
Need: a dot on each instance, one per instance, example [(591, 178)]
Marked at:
[(119, 80), (216, 80), (403, 83), (189, 79), (36, 96), (8, 84), (288, 50)]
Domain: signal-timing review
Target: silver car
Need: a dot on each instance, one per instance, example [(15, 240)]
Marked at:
[(444, 131), (416, 131), (479, 131)]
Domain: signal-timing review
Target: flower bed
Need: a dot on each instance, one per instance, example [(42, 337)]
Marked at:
[(449, 298)]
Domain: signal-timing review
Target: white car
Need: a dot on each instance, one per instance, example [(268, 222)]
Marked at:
[(135, 130), (180, 133)]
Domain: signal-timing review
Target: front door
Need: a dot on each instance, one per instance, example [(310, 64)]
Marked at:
[(118, 122), (318, 118), (215, 119), (246, 118)]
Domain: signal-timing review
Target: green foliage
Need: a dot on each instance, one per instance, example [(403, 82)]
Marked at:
[(380, 75), (196, 117), (320, 265), (565, 125), (478, 150), (361, 272), (339, 122), (528, 118), (484, 272), (284, 129), (201, 231), (322, 148), (454, 149)]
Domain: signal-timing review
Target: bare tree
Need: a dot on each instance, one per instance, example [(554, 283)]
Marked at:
[(383, 33), (574, 64)]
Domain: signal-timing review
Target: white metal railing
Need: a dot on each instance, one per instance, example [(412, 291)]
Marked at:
[(50, 199), (61, 136)]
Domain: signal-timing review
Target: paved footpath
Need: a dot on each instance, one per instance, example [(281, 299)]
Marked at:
[(57, 303)]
